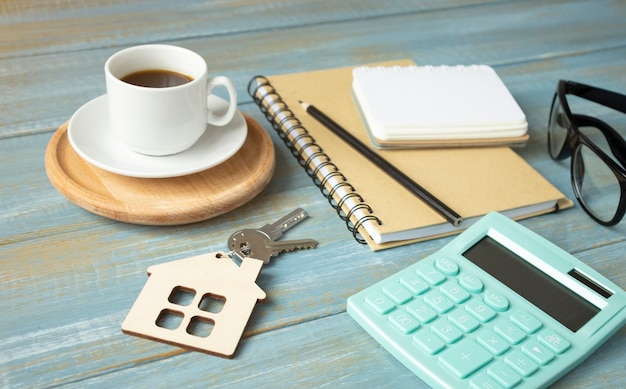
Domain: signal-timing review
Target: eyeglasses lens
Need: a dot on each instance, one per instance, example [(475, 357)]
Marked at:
[(557, 128), (598, 187)]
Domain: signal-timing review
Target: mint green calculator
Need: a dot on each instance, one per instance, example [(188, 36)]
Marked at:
[(497, 307)]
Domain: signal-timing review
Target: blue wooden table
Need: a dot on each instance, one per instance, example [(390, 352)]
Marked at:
[(69, 277)]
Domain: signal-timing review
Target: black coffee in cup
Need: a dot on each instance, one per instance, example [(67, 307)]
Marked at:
[(156, 78)]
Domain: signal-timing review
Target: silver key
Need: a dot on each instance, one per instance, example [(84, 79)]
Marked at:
[(257, 244), (275, 230)]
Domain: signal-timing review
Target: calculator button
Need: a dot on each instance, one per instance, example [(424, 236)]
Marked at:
[(483, 381), (430, 274), (471, 283), (397, 292), (446, 331), (538, 352), (463, 320), (438, 301), (452, 289), (464, 358), (480, 310), (504, 375), (421, 311), (446, 266), (526, 321), (379, 303), (414, 284), (521, 363), (403, 321), (429, 342), (510, 332), (496, 301), (554, 341), (493, 342)]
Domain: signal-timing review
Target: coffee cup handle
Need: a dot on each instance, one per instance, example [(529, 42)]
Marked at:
[(222, 120)]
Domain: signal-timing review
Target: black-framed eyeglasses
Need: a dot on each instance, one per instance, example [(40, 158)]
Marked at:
[(598, 154)]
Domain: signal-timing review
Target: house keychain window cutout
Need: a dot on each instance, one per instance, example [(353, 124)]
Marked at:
[(202, 303)]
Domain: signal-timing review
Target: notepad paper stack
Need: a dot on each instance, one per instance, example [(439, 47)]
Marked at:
[(437, 106)]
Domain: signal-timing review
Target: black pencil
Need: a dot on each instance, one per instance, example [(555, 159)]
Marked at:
[(451, 216)]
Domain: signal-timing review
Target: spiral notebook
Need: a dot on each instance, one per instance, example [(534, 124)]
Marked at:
[(376, 209), (435, 106)]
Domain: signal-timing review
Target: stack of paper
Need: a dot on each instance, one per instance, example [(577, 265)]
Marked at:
[(427, 106)]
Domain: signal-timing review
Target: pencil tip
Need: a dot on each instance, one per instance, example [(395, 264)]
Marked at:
[(303, 104)]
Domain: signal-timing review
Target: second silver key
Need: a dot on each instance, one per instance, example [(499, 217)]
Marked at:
[(275, 230)]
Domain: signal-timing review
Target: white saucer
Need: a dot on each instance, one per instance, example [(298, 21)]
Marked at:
[(89, 134)]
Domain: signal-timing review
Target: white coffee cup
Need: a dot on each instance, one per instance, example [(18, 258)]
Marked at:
[(163, 120)]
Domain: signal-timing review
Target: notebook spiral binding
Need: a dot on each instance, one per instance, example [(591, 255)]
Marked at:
[(334, 186)]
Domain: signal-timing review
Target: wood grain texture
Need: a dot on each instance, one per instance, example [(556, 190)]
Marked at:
[(200, 303), (455, 35), (163, 201), (68, 277)]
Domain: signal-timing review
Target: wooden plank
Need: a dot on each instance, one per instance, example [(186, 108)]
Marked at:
[(44, 26), (39, 96), (331, 349)]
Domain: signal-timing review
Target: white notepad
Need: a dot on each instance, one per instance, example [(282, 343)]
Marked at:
[(436, 103)]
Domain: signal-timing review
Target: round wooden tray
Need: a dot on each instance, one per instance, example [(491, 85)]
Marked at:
[(163, 201)]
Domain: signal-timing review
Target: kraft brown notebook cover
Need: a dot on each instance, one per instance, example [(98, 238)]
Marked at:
[(472, 181)]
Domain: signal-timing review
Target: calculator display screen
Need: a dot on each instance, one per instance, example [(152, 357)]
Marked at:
[(552, 297)]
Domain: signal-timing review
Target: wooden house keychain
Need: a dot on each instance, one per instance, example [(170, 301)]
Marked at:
[(203, 303)]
